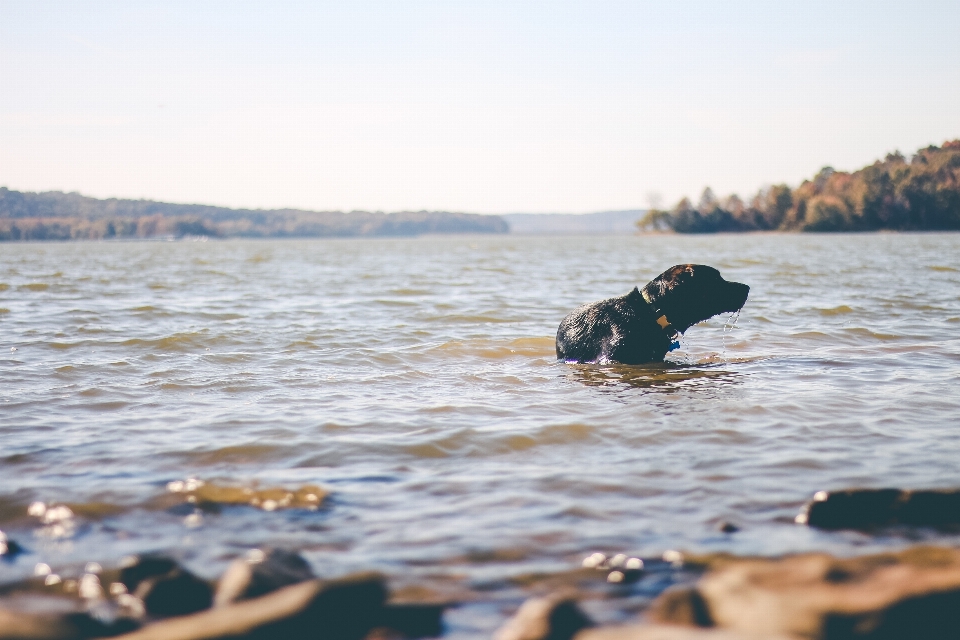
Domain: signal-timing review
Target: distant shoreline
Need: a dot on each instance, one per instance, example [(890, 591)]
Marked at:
[(921, 193), (428, 236), (55, 215)]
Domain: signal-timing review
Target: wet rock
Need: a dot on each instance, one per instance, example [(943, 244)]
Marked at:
[(669, 632), (550, 618), (866, 509), (413, 620), (164, 587), (346, 609), (137, 569), (74, 626), (558, 618), (90, 627), (684, 606), (911, 594), (260, 573), (9, 548), (27, 627)]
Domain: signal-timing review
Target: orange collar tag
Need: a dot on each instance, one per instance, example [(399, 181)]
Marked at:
[(663, 322)]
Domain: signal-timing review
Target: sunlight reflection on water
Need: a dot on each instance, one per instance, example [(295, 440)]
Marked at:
[(416, 381)]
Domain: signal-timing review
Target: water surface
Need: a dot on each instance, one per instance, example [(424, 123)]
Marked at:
[(416, 381)]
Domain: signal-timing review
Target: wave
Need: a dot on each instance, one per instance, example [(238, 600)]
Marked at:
[(835, 311), (480, 443), (492, 349)]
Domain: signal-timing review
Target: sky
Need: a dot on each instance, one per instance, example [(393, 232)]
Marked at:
[(478, 106)]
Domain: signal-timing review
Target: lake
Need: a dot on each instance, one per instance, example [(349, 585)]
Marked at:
[(415, 380)]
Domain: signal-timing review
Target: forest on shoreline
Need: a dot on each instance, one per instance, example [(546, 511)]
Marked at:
[(54, 215), (921, 193), (917, 194)]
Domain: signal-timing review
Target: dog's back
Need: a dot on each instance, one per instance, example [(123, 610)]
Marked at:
[(611, 330)]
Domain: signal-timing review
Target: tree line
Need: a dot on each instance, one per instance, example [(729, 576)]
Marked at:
[(921, 193), (54, 215)]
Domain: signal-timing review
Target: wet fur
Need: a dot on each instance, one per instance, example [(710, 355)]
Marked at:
[(625, 329)]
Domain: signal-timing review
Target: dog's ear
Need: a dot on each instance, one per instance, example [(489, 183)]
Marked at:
[(672, 278)]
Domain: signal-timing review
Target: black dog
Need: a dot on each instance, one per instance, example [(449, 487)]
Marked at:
[(643, 326)]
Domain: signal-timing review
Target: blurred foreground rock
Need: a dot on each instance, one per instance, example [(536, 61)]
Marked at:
[(9, 548), (550, 618), (341, 610), (559, 618), (261, 572), (892, 596), (269, 594), (17, 625), (911, 594), (670, 632), (164, 587), (348, 609)]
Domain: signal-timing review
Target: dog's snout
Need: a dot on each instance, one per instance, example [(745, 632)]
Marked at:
[(738, 295)]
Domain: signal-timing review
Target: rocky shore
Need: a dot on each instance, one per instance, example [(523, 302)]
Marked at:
[(273, 593)]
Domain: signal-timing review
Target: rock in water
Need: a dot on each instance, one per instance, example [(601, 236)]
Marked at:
[(346, 609), (166, 588), (727, 527), (21, 625), (911, 594), (260, 573), (551, 618), (865, 509), (414, 620), (9, 549)]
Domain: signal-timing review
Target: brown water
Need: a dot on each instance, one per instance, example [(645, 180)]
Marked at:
[(416, 382)]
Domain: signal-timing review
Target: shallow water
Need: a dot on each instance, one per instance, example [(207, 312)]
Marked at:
[(416, 381)]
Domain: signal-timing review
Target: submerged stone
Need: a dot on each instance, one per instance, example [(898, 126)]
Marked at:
[(207, 496)]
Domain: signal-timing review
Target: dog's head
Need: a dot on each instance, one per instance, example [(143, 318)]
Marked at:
[(691, 293)]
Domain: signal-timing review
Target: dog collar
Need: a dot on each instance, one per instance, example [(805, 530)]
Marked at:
[(672, 334)]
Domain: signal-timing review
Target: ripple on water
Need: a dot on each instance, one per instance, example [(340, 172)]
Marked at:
[(662, 377), (836, 311), (282, 369), (541, 346), (868, 333), (251, 453), (181, 342)]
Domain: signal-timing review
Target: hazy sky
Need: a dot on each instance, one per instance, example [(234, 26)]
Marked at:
[(481, 106)]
